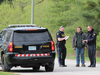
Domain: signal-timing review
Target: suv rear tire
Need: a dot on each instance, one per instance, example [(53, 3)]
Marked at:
[(50, 67), (5, 65)]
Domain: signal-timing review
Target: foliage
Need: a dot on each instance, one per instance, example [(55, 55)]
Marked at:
[(52, 14), (1, 1), (98, 41), (9, 1)]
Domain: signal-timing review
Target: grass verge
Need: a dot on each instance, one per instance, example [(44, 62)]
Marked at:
[(7, 73), (86, 58)]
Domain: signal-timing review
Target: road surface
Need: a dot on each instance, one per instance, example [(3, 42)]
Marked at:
[(70, 70)]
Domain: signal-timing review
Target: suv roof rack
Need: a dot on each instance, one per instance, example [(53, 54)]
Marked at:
[(22, 25)]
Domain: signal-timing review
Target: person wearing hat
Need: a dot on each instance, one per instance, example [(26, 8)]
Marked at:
[(61, 49)]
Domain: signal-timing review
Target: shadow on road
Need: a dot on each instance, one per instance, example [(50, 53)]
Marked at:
[(26, 71)]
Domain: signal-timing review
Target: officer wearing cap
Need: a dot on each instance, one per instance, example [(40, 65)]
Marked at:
[(91, 41), (61, 47)]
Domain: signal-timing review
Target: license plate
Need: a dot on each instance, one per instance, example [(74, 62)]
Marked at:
[(31, 47)]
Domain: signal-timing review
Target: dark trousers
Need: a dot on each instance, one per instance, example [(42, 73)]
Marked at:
[(61, 54), (91, 53)]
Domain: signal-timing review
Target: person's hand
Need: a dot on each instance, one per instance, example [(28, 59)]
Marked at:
[(83, 41), (86, 40), (65, 37), (73, 48), (85, 48)]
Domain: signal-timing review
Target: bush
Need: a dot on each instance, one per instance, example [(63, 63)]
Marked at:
[(98, 42), (90, 5)]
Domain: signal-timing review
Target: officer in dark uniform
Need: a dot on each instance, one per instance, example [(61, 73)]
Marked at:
[(91, 41), (61, 47)]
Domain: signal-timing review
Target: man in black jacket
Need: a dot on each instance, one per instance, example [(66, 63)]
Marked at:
[(91, 41)]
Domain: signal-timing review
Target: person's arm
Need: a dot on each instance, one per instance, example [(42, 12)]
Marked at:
[(61, 39), (92, 39), (85, 39)]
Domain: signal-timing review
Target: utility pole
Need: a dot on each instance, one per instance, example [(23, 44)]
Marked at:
[(32, 13)]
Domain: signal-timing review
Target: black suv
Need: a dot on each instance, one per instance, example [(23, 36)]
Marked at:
[(27, 46)]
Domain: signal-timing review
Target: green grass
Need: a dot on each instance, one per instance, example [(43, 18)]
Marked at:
[(86, 58), (7, 73)]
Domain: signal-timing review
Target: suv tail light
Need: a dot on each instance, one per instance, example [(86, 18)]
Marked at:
[(52, 46), (10, 47)]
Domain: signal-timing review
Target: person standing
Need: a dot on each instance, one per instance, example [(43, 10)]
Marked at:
[(79, 46), (91, 41), (61, 49)]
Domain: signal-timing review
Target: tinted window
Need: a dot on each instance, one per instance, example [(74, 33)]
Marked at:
[(3, 35), (29, 36), (8, 36)]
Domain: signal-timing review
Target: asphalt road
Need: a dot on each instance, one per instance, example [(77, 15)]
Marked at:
[(70, 70)]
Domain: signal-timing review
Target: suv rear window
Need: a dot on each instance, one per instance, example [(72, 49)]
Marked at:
[(29, 36)]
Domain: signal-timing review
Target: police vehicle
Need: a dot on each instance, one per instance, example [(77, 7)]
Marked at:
[(27, 46)]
